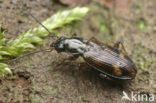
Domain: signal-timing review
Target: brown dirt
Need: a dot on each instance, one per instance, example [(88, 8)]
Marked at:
[(37, 79)]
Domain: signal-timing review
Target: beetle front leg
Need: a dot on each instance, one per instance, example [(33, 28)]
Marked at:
[(117, 45), (70, 58)]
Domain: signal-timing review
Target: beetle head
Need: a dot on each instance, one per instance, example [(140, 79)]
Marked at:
[(58, 45)]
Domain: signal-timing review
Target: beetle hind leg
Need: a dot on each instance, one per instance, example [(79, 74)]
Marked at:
[(117, 45), (104, 76)]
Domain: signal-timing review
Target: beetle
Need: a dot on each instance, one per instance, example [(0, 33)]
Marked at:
[(109, 61)]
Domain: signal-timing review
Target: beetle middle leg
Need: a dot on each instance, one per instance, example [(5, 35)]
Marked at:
[(82, 65), (70, 58), (117, 45)]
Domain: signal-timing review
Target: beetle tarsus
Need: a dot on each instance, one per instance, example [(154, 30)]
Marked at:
[(117, 45)]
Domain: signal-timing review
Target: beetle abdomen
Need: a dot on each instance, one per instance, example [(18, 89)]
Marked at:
[(110, 63)]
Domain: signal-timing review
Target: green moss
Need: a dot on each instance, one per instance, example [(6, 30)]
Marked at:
[(28, 40), (142, 24)]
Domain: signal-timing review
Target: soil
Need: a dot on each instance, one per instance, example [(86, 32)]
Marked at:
[(38, 79)]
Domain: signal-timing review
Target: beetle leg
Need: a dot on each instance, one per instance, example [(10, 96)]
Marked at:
[(70, 58), (50, 50), (104, 76), (74, 35), (82, 65), (117, 44), (92, 39)]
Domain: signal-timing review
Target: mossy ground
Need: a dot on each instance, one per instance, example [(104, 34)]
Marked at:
[(37, 79)]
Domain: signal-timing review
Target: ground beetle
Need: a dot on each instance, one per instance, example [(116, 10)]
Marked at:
[(110, 61)]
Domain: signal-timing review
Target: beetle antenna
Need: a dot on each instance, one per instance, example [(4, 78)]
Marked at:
[(27, 54), (37, 20), (28, 12)]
